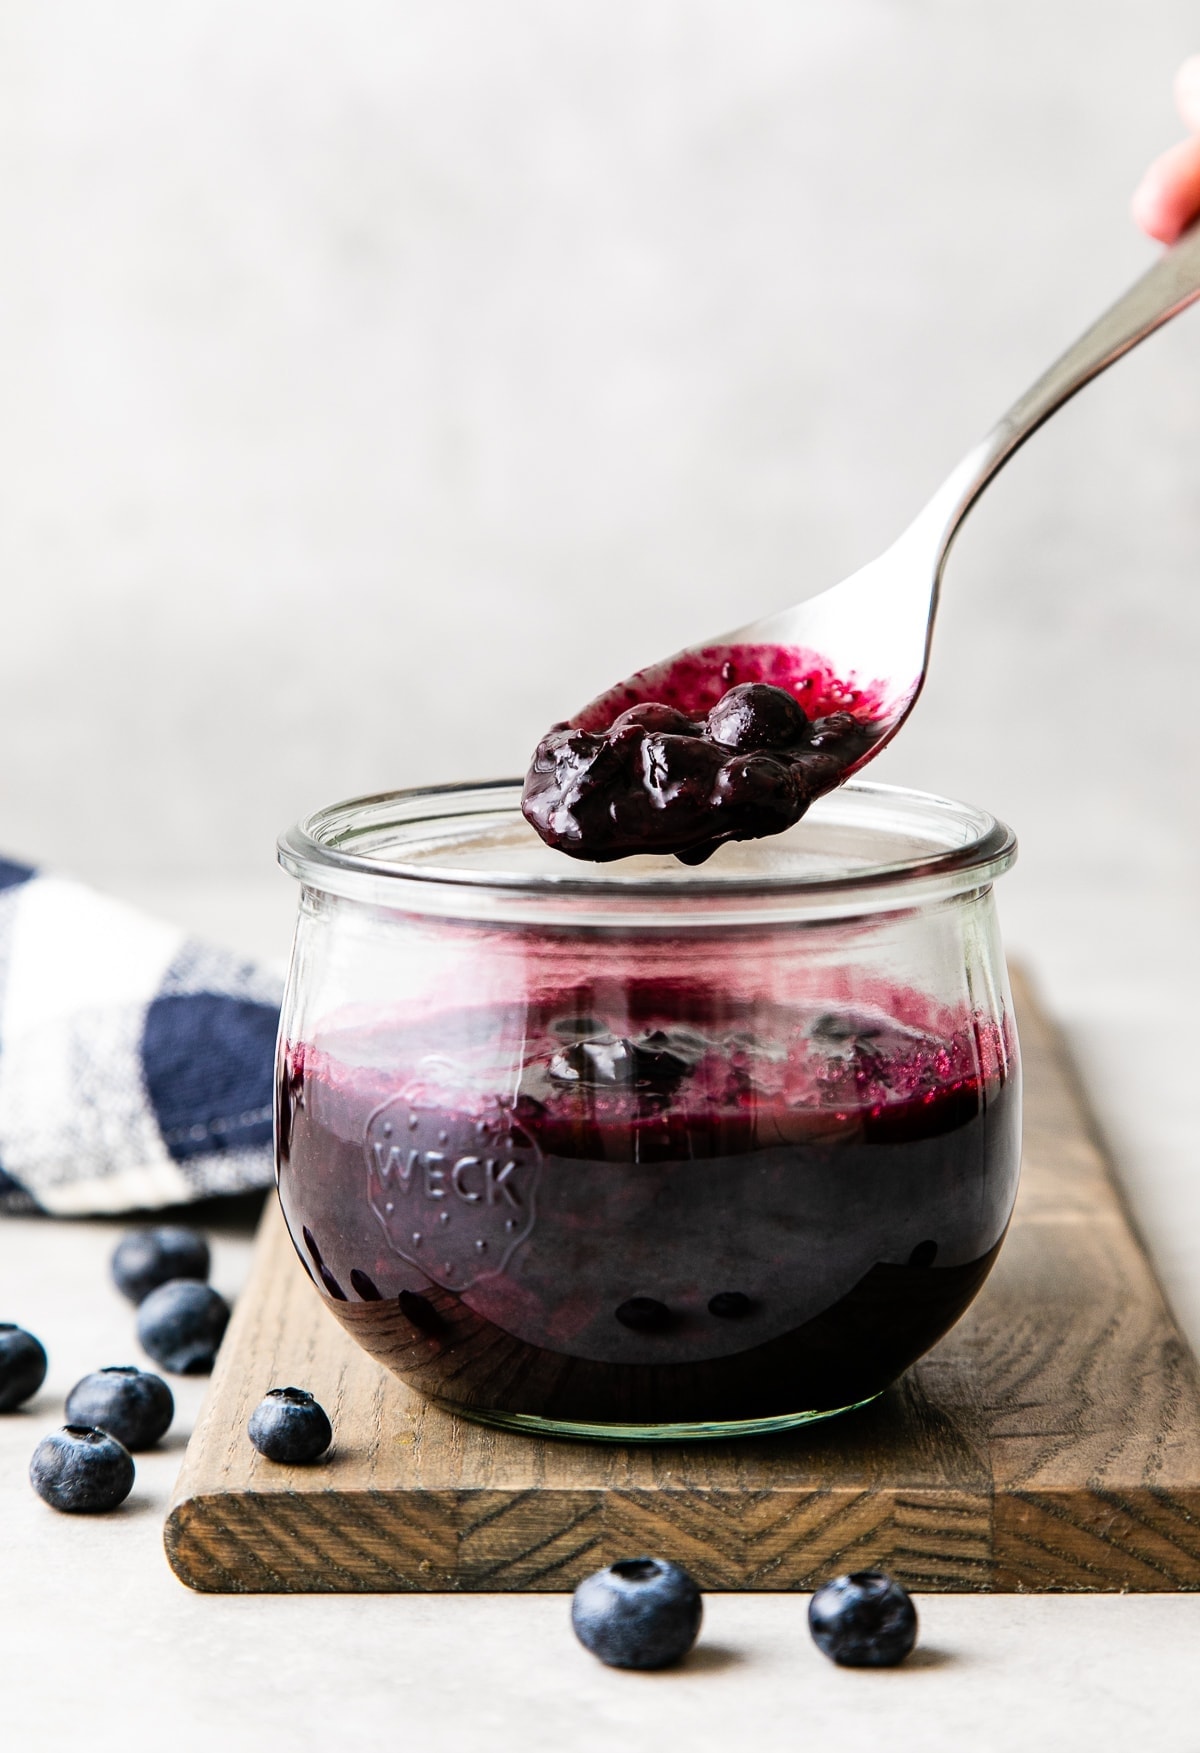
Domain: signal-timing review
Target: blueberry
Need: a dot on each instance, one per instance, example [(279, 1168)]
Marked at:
[(818, 770), (759, 790), (658, 1068), (643, 1314), (289, 1426), (653, 716), (22, 1365), (612, 1060), (181, 1325), (131, 1404), (639, 1613), (144, 1259), (608, 1059), (865, 1620), (755, 715), (730, 1305), (82, 1470), (678, 772), (834, 728)]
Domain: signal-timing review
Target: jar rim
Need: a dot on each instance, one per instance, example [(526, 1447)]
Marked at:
[(350, 848)]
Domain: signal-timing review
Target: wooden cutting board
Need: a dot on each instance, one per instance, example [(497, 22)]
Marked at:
[(1051, 1441)]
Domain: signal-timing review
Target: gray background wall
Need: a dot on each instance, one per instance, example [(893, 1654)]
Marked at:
[(378, 381)]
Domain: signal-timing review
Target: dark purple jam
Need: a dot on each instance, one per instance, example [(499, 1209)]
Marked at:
[(682, 772), (672, 1211)]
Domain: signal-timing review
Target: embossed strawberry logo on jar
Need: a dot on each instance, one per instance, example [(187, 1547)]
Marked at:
[(455, 1193)]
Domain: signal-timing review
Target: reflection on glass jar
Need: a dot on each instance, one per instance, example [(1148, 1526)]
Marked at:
[(647, 1149)]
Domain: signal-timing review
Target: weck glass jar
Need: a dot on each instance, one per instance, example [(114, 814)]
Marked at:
[(643, 1149)]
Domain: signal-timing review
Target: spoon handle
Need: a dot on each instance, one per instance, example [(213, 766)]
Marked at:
[(1162, 292)]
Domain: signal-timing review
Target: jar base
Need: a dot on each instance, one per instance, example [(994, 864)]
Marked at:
[(704, 1431)]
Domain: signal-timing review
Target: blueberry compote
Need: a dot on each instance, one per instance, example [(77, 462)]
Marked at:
[(661, 1209), (684, 772)]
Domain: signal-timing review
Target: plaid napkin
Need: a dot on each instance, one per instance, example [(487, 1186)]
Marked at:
[(135, 1063)]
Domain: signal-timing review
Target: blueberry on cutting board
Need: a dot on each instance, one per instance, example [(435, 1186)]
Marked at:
[(81, 1470), (132, 1405), (144, 1259), (290, 1427), (181, 1324), (639, 1613), (865, 1620), (22, 1366)]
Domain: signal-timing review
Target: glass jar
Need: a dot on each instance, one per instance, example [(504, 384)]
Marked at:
[(643, 1149)]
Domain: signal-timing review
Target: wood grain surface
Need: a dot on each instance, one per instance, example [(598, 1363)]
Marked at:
[(1051, 1441)]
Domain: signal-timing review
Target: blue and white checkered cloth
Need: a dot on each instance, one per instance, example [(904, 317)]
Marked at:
[(135, 1063)]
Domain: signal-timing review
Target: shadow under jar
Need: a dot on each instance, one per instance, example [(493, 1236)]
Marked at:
[(647, 1151)]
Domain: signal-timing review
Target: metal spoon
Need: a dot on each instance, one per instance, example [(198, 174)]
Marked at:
[(863, 645)]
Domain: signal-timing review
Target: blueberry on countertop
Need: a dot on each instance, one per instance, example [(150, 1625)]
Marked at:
[(865, 1620), (144, 1259), (290, 1426), (81, 1470), (131, 1404), (181, 1324), (22, 1365), (639, 1613)]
